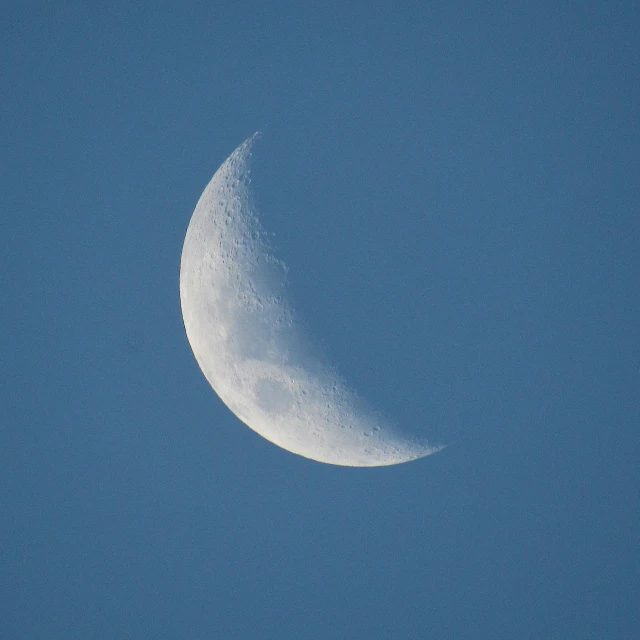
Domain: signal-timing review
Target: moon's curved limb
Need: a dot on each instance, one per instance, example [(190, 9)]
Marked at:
[(245, 337)]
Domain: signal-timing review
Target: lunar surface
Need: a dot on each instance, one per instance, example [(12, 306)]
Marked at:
[(250, 346)]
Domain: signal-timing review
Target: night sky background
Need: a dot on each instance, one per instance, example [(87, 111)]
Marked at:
[(455, 190)]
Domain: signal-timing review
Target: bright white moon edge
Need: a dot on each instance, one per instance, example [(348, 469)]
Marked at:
[(244, 334)]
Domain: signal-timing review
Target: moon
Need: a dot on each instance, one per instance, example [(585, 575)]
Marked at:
[(251, 347)]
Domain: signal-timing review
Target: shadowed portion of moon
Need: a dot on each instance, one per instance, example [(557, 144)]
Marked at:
[(249, 344)]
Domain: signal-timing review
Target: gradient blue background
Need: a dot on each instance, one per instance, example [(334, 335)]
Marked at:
[(455, 189)]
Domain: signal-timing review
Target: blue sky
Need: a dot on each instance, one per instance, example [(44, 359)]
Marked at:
[(455, 191)]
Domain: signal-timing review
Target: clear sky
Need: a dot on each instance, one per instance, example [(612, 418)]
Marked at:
[(455, 189)]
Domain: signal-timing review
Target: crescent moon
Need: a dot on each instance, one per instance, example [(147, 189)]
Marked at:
[(250, 346)]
